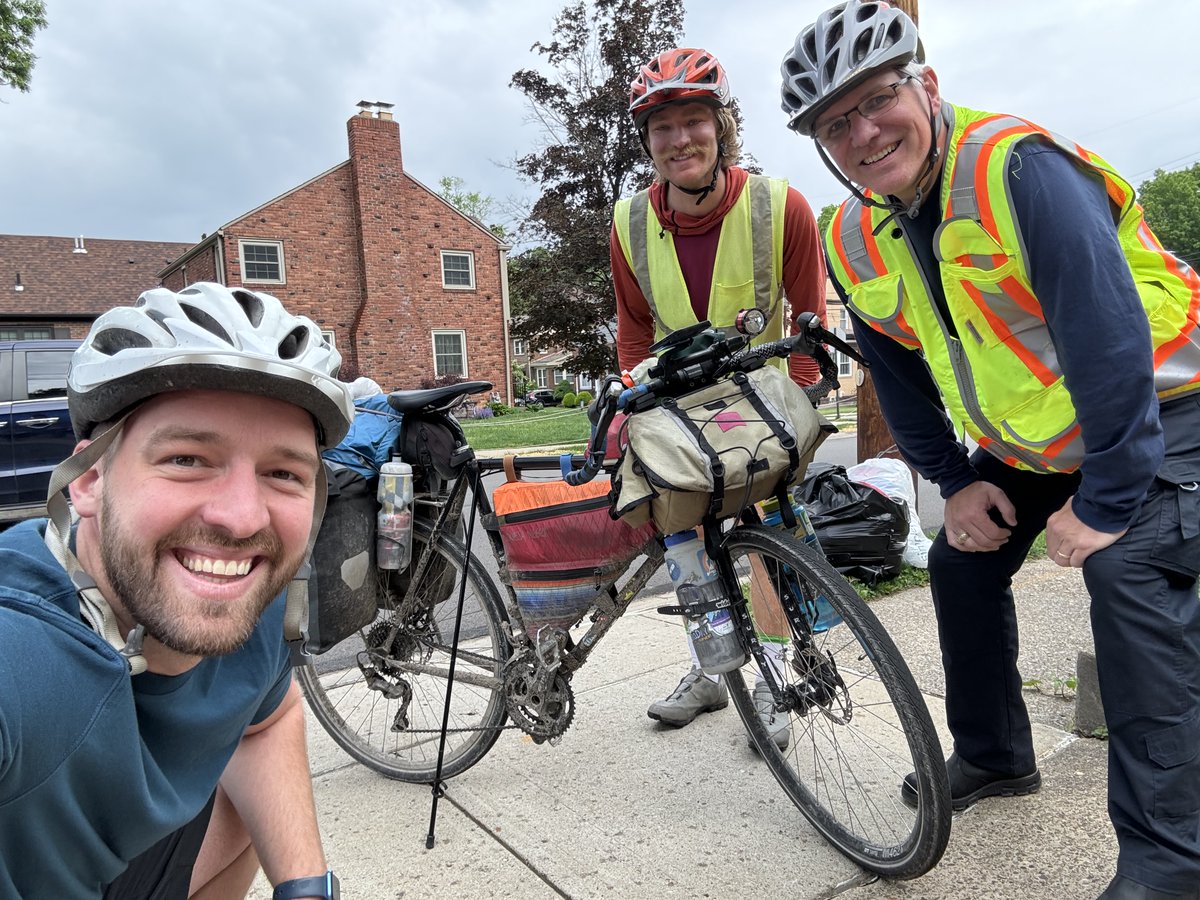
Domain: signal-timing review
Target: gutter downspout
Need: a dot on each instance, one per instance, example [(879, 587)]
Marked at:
[(503, 251)]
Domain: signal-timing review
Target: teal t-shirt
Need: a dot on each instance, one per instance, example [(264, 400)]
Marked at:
[(96, 766)]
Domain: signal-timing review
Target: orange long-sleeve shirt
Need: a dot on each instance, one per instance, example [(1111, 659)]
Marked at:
[(696, 248)]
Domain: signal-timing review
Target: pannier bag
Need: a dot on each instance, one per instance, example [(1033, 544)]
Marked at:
[(861, 530), (716, 450), (343, 591), (562, 547)]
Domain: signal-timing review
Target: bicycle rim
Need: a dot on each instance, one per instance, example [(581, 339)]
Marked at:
[(354, 689), (859, 723)]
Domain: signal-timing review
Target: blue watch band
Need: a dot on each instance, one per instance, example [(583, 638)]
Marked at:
[(324, 886)]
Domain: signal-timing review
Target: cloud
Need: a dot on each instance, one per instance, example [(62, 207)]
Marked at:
[(162, 121)]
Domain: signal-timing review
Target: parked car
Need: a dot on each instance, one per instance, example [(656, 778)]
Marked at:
[(35, 426), (544, 396)]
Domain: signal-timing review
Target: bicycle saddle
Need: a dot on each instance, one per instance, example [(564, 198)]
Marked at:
[(437, 399)]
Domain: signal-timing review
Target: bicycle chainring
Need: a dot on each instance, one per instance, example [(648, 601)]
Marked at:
[(539, 701)]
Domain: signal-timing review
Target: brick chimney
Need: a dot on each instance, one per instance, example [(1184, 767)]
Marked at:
[(377, 175)]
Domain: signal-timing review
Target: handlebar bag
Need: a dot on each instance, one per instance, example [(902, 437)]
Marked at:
[(717, 450), (561, 547)]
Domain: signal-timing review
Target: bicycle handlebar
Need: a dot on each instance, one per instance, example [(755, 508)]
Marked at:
[(682, 369)]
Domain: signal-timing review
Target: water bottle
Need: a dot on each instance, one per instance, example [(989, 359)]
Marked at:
[(713, 634), (826, 616), (393, 525)]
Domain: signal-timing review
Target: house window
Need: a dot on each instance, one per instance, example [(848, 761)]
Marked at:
[(449, 353), (262, 261), (541, 377), (518, 347), (329, 336), (21, 333), (844, 364), (458, 270)]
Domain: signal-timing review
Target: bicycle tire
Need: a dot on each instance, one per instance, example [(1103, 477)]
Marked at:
[(846, 754), (361, 719)]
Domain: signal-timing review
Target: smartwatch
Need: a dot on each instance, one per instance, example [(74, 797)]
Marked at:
[(324, 886)]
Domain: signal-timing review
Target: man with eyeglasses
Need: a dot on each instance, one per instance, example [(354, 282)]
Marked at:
[(1005, 287)]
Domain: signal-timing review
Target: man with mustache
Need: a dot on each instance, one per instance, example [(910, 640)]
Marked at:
[(706, 240), (151, 738), (1005, 286)]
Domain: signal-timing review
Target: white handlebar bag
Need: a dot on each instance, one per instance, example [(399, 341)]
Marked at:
[(717, 450)]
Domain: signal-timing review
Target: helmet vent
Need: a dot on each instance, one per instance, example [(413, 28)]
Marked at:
[(863, 45), (251, 305), (867, 11), (199, 317), (112, 341), (294, 344)]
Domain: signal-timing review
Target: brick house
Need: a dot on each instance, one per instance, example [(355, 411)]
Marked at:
[(55, 287), (407, 287)]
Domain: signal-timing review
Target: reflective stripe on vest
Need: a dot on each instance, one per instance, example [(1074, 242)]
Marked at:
[(746, 271), (1001, 378)]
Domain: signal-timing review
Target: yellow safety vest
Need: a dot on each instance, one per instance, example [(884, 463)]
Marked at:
[(747, 270), (1000, 377)]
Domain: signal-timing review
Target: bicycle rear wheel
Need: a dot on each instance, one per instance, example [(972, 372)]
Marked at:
[(381, 692), (855, 722)]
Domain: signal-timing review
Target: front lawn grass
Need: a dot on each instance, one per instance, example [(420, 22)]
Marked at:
[(549, 427)]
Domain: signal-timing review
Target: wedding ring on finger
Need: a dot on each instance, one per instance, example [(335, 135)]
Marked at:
[(1059, 553), (962, 537)]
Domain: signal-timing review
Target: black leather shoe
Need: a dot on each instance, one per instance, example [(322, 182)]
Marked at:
[(969, 783), (1122, 888)]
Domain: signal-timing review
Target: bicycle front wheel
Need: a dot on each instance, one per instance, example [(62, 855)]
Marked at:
[(381, 692), (849, 721)]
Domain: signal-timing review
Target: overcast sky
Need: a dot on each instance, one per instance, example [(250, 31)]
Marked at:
[(162, 121)]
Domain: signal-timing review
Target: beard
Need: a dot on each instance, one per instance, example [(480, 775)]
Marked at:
[(195, 626)]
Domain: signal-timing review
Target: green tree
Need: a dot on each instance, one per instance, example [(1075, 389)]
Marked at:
[(472, 203), (1171, 201), (826, 216), (589, 157), (19, 19)]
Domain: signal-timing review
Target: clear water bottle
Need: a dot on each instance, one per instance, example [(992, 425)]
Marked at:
[(825, 615), (393, 525), (713, 634)]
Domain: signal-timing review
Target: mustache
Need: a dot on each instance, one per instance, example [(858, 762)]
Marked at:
[(262, 543)]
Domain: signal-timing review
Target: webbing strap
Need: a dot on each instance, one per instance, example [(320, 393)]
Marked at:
[(93, 607), (715, 465), (774, 421)]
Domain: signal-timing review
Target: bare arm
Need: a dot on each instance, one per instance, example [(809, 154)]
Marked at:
[(268, 781)]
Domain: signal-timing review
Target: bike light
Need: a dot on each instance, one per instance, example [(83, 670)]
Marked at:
[(750, 321)]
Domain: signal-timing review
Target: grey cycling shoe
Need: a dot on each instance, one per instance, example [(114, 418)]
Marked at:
[(695, 694), (776, 723)]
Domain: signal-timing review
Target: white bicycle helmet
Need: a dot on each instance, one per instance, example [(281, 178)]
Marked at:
[(206, 337), (846, 45)]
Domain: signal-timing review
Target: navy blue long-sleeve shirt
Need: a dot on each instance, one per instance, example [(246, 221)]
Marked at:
[(1096, 320)]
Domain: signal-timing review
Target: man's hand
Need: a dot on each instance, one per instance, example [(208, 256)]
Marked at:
[(968, 526), (1069, 542)]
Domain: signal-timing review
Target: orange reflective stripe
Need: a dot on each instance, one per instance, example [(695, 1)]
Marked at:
[(1017, 293), (1058, 446), (839, 245), (903, 325), (1000, 327), (985, 442), (869, 240)]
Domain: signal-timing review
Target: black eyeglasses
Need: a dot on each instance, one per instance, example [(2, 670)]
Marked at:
[(835, 130)]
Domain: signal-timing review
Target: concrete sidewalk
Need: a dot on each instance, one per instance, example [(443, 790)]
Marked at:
[(624, 807)]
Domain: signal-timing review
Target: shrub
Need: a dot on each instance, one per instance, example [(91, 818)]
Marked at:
[(482, 412), (569, 399), (584, 398), (498, 408), (534, 407)]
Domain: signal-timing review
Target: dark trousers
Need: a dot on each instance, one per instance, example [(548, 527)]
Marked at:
[(164, 872), (1146, 625)]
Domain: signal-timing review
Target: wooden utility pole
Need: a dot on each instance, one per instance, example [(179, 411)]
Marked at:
[(873, 436)]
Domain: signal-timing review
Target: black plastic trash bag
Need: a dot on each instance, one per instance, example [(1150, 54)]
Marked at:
[(862, 531)]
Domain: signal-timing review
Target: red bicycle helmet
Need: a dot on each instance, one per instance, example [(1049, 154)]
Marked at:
[(682, 74)]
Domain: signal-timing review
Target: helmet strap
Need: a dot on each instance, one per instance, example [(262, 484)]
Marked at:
[(93, 606)]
